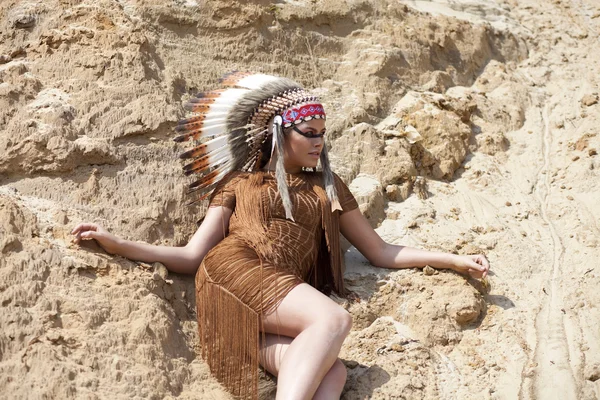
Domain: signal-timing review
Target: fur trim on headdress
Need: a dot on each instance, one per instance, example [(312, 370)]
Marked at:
[(329, 181), (280, 168)]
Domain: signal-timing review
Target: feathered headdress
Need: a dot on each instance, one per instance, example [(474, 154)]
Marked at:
[(231, 130)]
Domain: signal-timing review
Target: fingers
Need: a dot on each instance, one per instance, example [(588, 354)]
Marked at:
[(478, 266), (85, 230), (85, 226), (87, 235), (474, 265), (90, 235), (79, 236), (485, 262), (482, 261)]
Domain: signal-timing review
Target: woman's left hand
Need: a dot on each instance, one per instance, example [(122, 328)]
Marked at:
[(477, 266)]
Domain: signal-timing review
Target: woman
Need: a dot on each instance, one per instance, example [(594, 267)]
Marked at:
[(268, 248)]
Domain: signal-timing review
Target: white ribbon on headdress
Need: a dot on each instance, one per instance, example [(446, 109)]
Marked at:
[(277, 123)]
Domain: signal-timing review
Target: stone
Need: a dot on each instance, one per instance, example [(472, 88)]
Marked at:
[(368, 193), (589, 100)]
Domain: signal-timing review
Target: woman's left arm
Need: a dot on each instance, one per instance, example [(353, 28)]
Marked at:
[(355, 227)]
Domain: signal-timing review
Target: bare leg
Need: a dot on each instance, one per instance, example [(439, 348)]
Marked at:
[(319, 327), (272, 352)]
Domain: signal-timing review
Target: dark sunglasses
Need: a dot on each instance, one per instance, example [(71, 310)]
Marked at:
[(309, 134)]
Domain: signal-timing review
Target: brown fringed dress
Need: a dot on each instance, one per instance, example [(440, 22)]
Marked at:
[(261, 260)]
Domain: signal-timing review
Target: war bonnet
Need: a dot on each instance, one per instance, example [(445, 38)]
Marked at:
[(230, 127)]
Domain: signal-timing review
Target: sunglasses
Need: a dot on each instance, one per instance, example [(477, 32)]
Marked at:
[(309, 135)]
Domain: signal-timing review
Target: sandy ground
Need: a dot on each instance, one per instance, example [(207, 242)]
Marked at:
[(460, 126)]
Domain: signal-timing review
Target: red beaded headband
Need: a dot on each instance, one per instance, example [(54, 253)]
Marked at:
[(297, 114)]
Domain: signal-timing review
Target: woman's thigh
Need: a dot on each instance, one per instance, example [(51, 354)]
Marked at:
[(273, 348), (301, 307)]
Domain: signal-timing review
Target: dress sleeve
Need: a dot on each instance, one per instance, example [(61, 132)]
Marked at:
[(347, 200), (224, 193)]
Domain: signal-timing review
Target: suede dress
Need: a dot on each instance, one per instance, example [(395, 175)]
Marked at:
[(261, 259)]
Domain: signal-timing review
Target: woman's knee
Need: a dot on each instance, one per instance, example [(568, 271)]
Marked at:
[(338, 322), (305, 307)]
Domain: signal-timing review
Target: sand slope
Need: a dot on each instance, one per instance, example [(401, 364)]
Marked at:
[(460, 126)]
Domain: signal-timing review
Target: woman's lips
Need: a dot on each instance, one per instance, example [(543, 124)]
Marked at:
[(315, 154)]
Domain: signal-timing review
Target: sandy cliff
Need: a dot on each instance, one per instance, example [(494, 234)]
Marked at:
[(464, 126)]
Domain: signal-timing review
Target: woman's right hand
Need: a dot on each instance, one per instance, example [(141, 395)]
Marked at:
[(86, 231)]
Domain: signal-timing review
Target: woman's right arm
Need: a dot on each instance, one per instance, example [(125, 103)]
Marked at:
[(185, 260)]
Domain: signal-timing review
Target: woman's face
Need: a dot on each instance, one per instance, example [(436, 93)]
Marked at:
[(300, 151)]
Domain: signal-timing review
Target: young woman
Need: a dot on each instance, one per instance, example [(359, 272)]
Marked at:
[(268, 248)]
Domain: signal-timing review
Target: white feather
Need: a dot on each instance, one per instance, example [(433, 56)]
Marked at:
[(255, 81), (218, 143), (217, 161), (219, 111), (213, 130), (223, 173), (230, 97), (226, 169), (220, 152), (217, 178), (223, 104), (217, 157), (219, 108), (212, 122), (214, 115)]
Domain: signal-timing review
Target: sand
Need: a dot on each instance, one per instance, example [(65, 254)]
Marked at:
[(460, 126)]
